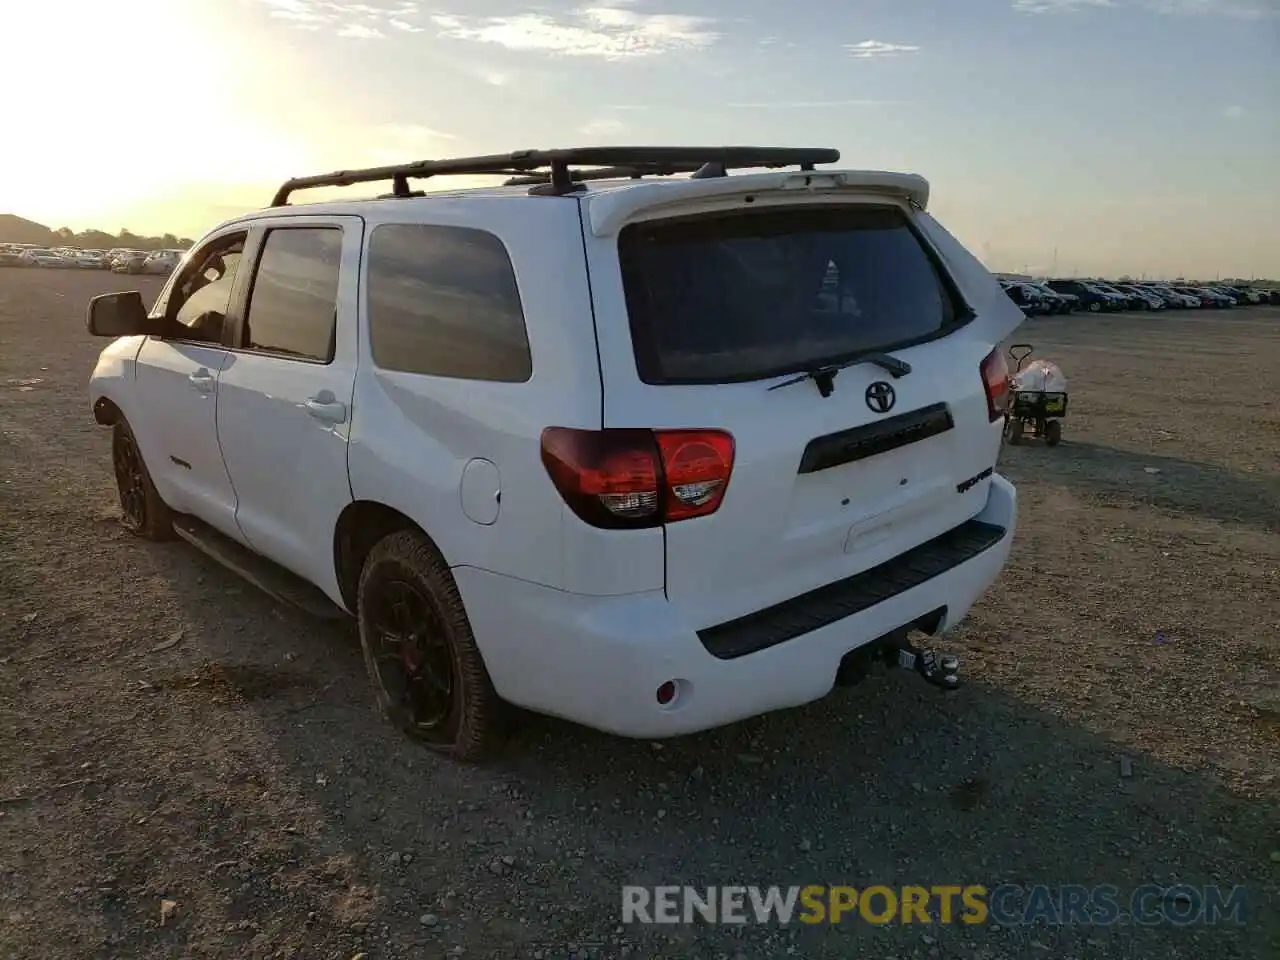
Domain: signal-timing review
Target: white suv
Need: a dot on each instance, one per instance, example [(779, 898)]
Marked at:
[(652, 453)]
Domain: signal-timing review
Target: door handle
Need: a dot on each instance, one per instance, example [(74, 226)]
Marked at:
[(202, 380), (326, 410)]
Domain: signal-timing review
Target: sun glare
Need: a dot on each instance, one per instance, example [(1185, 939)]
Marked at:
[(113, 108)]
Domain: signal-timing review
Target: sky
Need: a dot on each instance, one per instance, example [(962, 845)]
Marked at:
[(1061, 136)]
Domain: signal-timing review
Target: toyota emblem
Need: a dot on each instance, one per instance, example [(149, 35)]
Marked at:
[(881, 397)]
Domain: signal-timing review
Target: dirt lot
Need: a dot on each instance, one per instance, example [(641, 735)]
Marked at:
[(166, 733)]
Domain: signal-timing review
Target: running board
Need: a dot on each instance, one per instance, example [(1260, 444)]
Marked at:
[(270, 578)]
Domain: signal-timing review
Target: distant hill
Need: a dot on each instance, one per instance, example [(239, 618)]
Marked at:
[(14, 229)]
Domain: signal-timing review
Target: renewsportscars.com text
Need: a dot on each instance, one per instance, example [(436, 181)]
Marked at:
[(1007, 905)]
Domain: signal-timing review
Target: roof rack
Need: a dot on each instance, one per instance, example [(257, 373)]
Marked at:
[(605, 173), (547, 172)]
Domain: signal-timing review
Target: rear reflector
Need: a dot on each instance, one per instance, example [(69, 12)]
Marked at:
[(628, 478), (995, 381)]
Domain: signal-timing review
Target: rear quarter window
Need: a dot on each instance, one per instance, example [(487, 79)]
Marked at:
[(444, 301), (748, 295)]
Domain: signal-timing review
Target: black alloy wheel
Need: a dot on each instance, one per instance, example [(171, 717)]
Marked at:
[(411, 652), (424, 664), (142, 510), (131, 479)]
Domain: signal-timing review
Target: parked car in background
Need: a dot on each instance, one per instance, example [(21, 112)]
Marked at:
[(70, 256), (1248, 295), (1211, 298), (1201, 297), (131, 261), (1222, 292), (1090, 298), (1118, 300), (1058, 302), (162, 262), (1147, 297), (1032, 302), (41, 257), (1243, 296), (91, 259), (10, 256), (121, 253), (1176, 299), (1126, 301)]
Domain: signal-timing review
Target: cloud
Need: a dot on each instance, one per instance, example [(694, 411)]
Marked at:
[(810, 104), (301, 13), (1228, 9), (411, 134), (1059, 6), (359, 21), (869, 49), (605, 127), (1234, 112), (401, 142), (358, 31), (608, 33)]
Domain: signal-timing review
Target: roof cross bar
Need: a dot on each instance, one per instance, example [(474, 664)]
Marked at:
[(560, 178)]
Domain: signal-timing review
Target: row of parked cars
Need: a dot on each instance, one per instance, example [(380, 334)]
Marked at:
[(1038, 297), (120, 260)]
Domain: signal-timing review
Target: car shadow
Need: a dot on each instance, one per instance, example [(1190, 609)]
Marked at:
[(1096, 472)]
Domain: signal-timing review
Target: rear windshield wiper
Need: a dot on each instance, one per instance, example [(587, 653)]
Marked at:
[(824, 376)]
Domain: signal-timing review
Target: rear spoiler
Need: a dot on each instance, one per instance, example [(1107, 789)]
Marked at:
[(609, 210)]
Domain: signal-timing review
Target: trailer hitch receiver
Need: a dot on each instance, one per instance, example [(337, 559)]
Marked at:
[(940, 671)]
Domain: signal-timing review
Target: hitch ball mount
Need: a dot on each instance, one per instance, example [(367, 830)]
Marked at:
[(942, 671)]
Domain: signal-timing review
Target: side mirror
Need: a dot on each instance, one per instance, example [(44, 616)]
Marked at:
[(119, 315)]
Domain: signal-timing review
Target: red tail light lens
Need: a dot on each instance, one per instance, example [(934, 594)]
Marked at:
[(624, 479), (995, 380), (696, 465)]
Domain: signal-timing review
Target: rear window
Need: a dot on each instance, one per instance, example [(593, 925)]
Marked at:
[(743, 296)]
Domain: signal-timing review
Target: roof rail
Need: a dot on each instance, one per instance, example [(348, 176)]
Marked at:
[(548, 171), (605, 173)]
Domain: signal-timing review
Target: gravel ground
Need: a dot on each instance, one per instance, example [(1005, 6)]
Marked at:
[(169, 734)]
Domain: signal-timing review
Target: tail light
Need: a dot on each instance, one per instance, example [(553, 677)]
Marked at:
[(995, 380), (630, 478)]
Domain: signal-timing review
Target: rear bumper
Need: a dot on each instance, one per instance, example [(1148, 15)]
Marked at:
[(598, 661)]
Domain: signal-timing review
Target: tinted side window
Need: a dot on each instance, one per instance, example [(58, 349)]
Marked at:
[(294, 302), (444, 301), (201, 297)]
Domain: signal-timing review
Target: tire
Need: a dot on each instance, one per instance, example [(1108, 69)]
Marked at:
[(142, 511), (461, 716), (1095, 307), (1015, 432), (1053, 432)]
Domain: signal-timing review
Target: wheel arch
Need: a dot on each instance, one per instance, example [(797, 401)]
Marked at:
[(106, 412), (360, 526)]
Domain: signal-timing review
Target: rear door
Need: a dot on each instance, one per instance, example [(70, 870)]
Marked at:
[(704, 318), (285, 395)]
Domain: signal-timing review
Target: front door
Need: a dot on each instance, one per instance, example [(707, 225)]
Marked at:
[(177, 384), (284, 404)]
